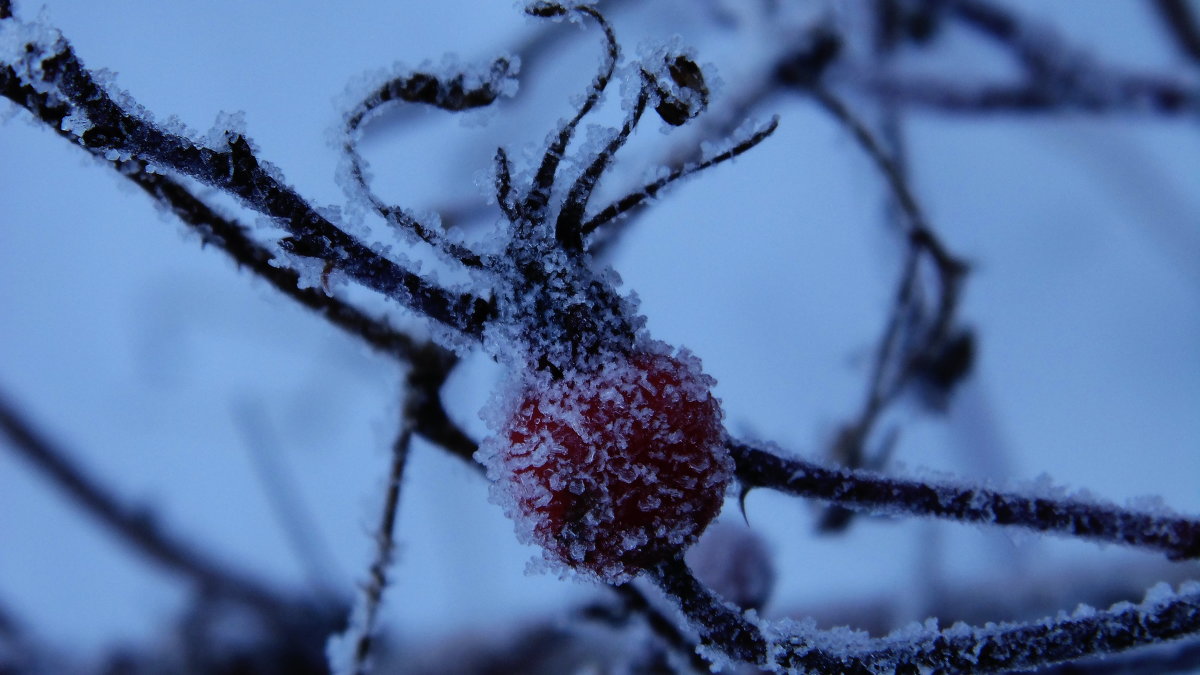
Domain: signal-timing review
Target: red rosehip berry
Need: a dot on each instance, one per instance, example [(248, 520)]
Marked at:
[(615, 470)]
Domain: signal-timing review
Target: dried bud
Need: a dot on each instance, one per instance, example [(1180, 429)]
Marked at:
[(682, 94)]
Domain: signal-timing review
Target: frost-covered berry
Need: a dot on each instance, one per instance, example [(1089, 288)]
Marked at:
[(614, 470)]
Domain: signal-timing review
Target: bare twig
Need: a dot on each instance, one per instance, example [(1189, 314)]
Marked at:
[(1057, 80), (136, 527), (384, 544), (362, 629), (919, 230), (286, 501), (1180, 20), (1130, 95)]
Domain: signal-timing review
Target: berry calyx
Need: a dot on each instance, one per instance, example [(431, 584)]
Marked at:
[(614, 470)]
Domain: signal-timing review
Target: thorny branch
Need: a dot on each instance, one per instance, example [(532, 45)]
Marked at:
[(1177, 536)]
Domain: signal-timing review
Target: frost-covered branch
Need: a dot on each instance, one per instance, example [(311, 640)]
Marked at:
[(137, 527), (216, 229), (47, 79), (799, 647), (1177, 536)]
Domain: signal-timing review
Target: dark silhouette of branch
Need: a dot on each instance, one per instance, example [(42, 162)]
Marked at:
[(138, 528), (916, 341), (919, 230), (365, 615), (1180, 20), (1059, 79), (1130, 95), (1176, 536)]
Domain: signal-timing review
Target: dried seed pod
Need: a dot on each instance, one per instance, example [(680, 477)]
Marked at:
[(682, 94)]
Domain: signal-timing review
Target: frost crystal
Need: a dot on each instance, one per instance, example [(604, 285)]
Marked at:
[(611, 470)]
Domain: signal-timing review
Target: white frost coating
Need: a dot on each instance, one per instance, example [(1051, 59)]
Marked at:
[(788, 637), (603, 489), (340, 648), (15, 35)]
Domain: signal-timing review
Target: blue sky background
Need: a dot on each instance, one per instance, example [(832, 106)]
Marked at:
[(159, 365)]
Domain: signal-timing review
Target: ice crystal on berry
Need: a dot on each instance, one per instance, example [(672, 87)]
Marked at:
[(614, 470)]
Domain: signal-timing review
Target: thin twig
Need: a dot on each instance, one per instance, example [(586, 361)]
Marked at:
[(651, 190), (418, 391), (919, 228), (663, 627), (384, 544), (285, 499), (1180, 20), (1131, 94), (1070, 82)]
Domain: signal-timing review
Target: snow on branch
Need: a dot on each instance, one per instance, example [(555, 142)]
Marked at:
[(1177, 536), (799, 647), (49, 80)]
